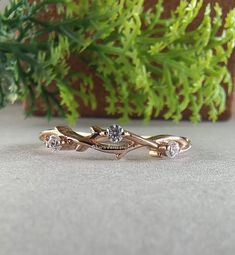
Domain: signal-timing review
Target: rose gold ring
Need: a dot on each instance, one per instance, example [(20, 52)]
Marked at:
[(113, 140)]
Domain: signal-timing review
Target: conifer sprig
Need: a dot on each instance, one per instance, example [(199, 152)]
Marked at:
[(147, 63)]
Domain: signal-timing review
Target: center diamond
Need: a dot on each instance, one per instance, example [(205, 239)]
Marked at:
[(173, 149), (114, 133), (54, 143)]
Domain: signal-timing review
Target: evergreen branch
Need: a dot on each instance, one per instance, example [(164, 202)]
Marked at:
[(148, 64)]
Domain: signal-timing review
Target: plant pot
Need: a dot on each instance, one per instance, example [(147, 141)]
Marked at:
[(100, 93)]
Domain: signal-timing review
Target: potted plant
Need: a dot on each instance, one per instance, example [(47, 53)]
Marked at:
[(117, 58)]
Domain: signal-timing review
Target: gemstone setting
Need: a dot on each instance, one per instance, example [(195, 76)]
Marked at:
[(173, 149), (115, 133), (54, 143)]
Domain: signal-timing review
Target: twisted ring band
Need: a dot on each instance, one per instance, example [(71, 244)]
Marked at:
[(113, 140)]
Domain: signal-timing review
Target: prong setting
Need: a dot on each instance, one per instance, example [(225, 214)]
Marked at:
[(173, 149), (115, 133), (54, 143)]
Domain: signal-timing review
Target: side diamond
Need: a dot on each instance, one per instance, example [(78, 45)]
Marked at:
[(54, 143), (173, 149)]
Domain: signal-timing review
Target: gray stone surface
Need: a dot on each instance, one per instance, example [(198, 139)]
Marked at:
[(89, 203)]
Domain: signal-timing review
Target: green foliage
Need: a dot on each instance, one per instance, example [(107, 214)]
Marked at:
[(148, 64)]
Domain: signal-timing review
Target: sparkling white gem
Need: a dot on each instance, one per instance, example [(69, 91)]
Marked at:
[(54, 143), (173, 149), (115, 133)]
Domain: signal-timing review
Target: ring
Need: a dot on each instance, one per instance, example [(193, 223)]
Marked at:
[(113, 140)]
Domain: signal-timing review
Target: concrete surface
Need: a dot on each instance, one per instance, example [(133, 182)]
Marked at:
[(88, 203)]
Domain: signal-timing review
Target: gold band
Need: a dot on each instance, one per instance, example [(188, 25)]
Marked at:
[(113, 140)]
